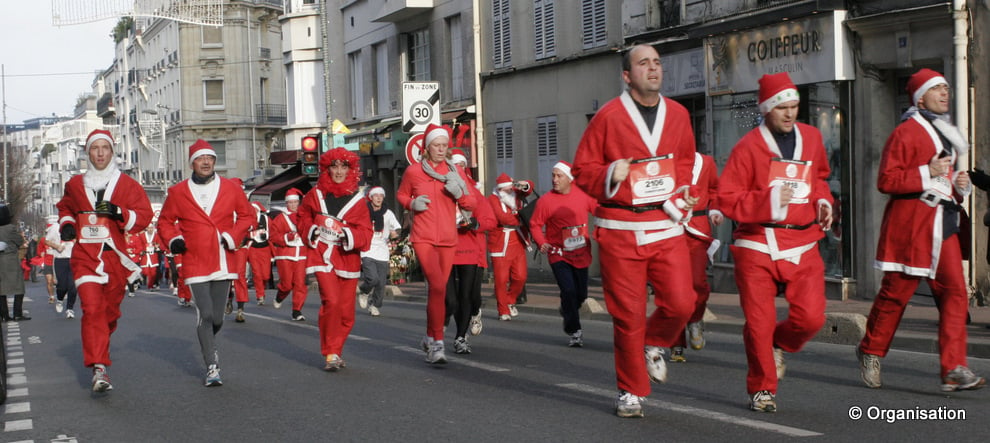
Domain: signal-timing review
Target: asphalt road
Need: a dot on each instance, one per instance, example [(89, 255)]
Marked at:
[(521, 383)]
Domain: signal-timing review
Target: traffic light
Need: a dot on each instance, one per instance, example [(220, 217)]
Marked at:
[(311, 155)]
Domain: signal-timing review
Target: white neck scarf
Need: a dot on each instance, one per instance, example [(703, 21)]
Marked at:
[(96, 179)]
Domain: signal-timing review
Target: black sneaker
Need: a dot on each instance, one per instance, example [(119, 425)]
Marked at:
[(297, 316)]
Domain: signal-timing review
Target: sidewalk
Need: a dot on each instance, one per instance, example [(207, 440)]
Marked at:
[(845, 320)]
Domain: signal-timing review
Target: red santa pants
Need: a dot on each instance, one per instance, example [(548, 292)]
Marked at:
[(436, 263), (510, 274), (698, 251), (948, 288), (336, 311), (150, 274), (101, 310), (292, 277), (240, 268), (757, 277), (626, 269), (261, 268)]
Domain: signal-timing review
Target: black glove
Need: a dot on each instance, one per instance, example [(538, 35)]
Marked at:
[(980, 179), (178, 246), (68, 233), (104, 207), (471, 224)]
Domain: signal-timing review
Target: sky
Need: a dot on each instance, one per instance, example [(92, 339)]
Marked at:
[(47, 67)]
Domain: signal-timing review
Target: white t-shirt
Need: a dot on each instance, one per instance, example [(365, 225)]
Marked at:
[(379, 242), (54, 236)]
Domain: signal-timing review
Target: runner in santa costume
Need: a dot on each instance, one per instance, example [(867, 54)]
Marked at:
[(149, 257), (334, 219), (507, 244), (97, 209), (239, 290), (774, 187), (436, 193), (290, 255), (560, 228), (704, 177), (919, 236), (635, 159), (260, 252), (135, 249), (205, 218)]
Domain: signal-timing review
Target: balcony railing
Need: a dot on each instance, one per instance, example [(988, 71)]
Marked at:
[(268, 114)]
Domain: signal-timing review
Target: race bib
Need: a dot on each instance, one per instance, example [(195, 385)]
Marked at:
[(94, 228), (942, 185), (653, 179), (794, 174), (574, 237), (260, 235), (330, 228)]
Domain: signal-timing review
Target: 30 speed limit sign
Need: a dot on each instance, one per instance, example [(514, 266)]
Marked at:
[(420, 105)]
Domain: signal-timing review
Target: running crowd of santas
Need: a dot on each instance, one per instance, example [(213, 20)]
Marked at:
[(654, 201)]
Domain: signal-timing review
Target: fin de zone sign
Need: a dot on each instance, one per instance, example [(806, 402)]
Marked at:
[(420, 105)]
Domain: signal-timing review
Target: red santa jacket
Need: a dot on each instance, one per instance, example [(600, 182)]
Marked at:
[(559, 217), (509, 222), (149, 259), (911, 231), (745, 194), (704, 180), (471, 243), (437, 225), (286, 237), (135, 247), (87, 257), (342, 255), (618, 132), (229, 220)]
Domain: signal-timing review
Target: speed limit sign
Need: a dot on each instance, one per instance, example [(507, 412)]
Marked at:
[(420, 105)]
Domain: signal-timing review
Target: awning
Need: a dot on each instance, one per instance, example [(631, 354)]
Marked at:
[(274, 189), (377, 128)]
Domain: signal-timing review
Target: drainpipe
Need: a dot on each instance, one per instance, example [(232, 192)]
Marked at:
[(479, 129), (960, 44)]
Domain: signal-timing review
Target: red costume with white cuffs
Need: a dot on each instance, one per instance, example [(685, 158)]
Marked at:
[(506, 242), (290, 254), (772, 244), (100, 266), (704, 178), (638, 235), (334, 220), (919, 233)]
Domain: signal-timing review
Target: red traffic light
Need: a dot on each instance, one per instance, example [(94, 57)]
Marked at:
[(311, 143)]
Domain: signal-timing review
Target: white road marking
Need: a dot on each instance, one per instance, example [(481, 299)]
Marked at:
[(14, 408), (460, 361), (17, 392), (18, 425), (698, 412)]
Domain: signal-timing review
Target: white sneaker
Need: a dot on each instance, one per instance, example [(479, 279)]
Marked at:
[(69, 314), (461, 346), (476, 324), (436, 355), (655, 365), (505, 317), (628, 405), (363, 300), (59, 307), (213, 377), (101, 381), (869, 368), (425, 343), (696, 335), (374, 311), (513, 311), (763, 401), (576, 340), (962, 378), (778, 360)]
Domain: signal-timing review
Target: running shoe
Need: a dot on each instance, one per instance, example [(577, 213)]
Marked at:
[(278, 300), (677, 354), (655, 364), (869, 368), (962, 378), (505, 317), (576, 339), (363, 300), (436, 356), (261, 301), (763, 401), (696, 335), (213, 377), (426, 343), (374, 311), (69, 314), (476, 325), (51, 299), (297, 316), (230, 306), (59, 307), (334, 362), (461, 346), (240, 316), (101, 381), (628, 405), (513, 311)]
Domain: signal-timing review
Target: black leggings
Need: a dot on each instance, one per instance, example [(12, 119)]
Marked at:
[(65, 284), (463, 295)]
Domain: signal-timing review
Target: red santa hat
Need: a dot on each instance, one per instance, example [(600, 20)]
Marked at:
[(99, 134), (293, 195), (457, 156), (921, 81), (434, 131), (503, 181), (564, 168), (201, 147), (376, 190), (776, 89)]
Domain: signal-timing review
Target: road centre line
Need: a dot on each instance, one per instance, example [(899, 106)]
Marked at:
[(460, 361)]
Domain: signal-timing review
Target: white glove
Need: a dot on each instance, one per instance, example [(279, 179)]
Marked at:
[(419, 204), (3, 246)]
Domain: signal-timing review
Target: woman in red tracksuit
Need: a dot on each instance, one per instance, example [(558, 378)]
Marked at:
[(335, 222), (436, 192)]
